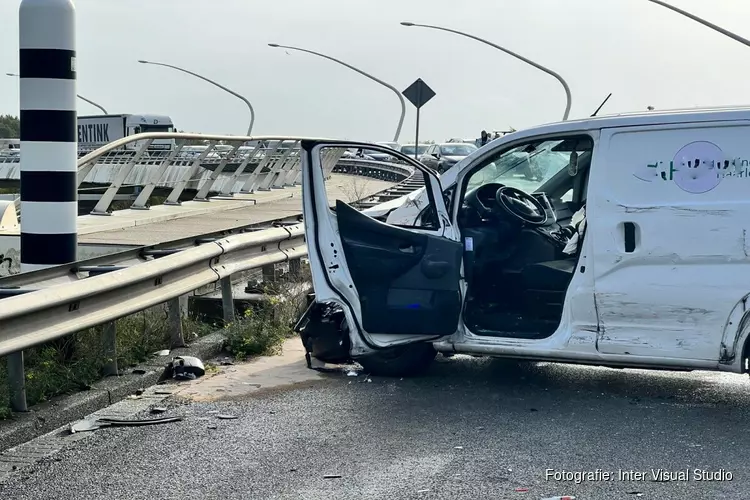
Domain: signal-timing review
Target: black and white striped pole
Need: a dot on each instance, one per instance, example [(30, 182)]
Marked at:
[(49, 194)]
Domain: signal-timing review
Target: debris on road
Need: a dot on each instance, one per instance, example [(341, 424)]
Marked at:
[(158, 409), (93, 424), (351, 373), (164, 352), (183, 368), (139, 371), (522, 490), (332, 476), (564, 497), (227, 417), (423, 491)]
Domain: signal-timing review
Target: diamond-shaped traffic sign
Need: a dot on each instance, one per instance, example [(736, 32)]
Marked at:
[(419, 93)]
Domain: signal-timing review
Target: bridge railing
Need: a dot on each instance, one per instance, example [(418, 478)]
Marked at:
[(223, 166)]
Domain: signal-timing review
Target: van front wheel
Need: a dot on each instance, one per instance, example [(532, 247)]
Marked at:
[(402, 361)]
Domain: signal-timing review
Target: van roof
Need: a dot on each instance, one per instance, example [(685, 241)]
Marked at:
[(630, 119)]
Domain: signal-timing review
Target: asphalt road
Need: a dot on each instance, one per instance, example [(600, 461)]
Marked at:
[(472, 428)]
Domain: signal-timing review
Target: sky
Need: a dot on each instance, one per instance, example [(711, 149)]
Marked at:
[(644, 54)]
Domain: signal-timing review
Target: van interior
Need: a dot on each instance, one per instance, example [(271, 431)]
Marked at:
[(516, 219)]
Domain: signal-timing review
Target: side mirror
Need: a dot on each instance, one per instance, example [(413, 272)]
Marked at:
[(436, 155)]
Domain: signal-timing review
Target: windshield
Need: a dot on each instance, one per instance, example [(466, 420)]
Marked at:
[(457, 149), (525, 167), (409, 149), (156, 128)]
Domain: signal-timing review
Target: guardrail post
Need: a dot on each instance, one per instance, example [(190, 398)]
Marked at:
[(17, 382), (295, 266), (109, 346), (174, 314), (227, 300), (269, 273)]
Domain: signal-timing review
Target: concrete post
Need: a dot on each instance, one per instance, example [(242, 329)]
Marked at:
[(49, 148), (49, 171)]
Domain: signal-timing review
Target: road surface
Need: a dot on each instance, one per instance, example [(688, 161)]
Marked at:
[(472, 428)]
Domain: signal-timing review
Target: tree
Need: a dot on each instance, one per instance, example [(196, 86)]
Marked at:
[(10, 127)]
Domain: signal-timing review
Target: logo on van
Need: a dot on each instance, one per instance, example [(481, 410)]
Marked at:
[(697, 168)]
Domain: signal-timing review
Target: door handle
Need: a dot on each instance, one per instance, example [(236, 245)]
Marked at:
[(406, 248), (629, 230)]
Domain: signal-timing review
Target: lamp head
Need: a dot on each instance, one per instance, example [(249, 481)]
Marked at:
[(405, 23), (275, 45)]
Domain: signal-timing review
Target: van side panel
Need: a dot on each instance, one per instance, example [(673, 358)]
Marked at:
[(668, 214)]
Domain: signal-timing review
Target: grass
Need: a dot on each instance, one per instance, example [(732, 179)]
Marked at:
[(72, 364)]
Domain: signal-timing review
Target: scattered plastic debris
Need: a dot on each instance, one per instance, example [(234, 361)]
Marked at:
[(227, 417), (164, 352), (134, 396), (564, 497), (213, 427), (458, 447), (162, 393), (332, 476), (158, 409), (351, 373), (226, 362), (423, 491), (183, 368), (522, 490), (93, 424), (636, 493)]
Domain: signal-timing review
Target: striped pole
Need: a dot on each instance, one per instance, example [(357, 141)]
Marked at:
[(49, 205)]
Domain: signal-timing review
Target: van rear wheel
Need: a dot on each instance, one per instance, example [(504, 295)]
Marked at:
[(402, 361)]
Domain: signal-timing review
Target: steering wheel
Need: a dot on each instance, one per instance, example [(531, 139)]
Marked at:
[(521, 205)]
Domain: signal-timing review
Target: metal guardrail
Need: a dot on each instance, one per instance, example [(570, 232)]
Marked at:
[(88, 293)]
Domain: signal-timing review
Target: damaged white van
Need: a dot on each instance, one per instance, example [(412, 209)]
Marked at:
[(619, 241)]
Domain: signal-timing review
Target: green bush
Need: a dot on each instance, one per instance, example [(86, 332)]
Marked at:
[(262, 328)]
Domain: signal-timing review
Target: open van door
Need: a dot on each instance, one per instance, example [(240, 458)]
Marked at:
[(397, 285)]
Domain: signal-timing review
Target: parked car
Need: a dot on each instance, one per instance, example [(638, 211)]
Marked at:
[(408, 149), (441, 157), (381, 155), (580, 266)]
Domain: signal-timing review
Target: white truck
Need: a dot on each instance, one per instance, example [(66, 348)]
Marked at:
[(96, 131)]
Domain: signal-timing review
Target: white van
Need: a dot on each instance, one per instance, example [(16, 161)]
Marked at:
[(629, 246)]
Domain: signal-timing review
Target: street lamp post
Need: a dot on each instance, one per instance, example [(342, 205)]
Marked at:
[(517, 56), (381, 82), (78, 95), (711, 25), (238, 96)]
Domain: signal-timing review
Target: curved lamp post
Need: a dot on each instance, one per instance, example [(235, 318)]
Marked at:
[(381, 82), (238, 96), (78, 95), (517, 56), (695, 18)]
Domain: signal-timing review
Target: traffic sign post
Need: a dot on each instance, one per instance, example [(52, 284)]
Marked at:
[(418, 93)]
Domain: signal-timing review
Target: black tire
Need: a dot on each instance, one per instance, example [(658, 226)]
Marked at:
[(403, 361)]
